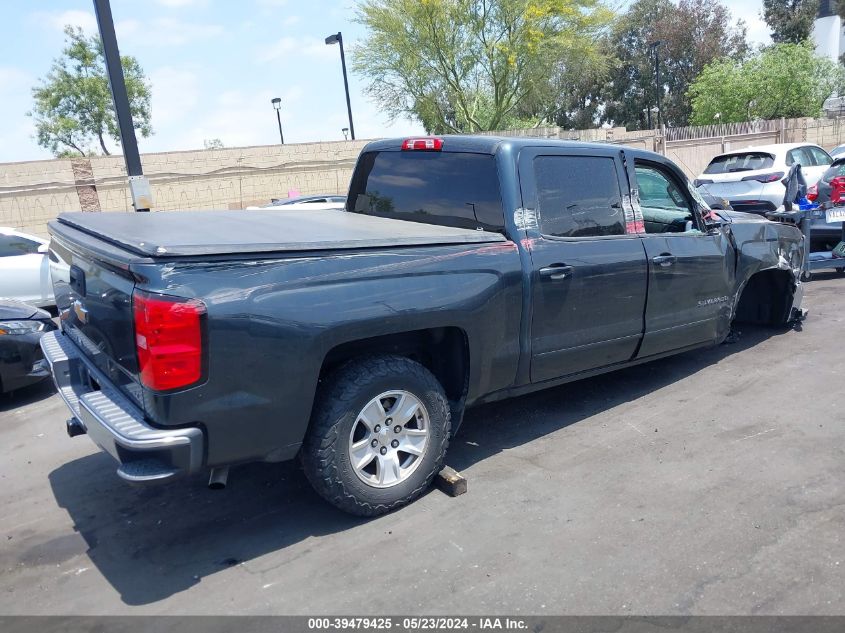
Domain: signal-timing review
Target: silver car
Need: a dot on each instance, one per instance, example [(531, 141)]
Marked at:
[(750, 178)]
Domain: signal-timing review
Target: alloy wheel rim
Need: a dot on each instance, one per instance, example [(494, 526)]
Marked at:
[(389, 439)]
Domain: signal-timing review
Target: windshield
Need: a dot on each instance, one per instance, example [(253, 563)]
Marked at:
[(744, 161), (457, 189)]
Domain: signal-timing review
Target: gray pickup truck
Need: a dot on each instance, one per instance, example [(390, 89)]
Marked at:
[(464, 270)]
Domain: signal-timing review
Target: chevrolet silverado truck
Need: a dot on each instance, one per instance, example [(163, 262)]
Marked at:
[(463, 270)]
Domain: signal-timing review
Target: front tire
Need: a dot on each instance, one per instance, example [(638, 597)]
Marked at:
[(378, 435)]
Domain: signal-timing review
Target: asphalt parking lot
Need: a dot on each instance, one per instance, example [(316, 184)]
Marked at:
[(709, 483)]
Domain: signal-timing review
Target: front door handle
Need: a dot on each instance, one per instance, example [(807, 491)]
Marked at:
[(556, 272), (664, 260)]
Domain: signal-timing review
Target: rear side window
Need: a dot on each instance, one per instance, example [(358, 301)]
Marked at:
[(11, 245), (457, 189), (820, 157), (836, 170), (801, 155), (745, 161), (578, 196)]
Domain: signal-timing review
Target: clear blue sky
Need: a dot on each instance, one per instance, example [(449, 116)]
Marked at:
[(214, 66)]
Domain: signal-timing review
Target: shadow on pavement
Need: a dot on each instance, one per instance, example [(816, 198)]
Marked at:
[(491, 428), (151, 543), (27, 395)]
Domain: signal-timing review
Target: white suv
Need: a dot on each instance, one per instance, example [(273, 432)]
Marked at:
[(750, 178)]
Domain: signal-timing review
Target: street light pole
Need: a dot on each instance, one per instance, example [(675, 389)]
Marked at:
[(139, 186), (337, 38), (277, 106), (655, 47)]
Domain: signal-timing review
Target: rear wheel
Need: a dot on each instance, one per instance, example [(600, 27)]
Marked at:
[(378, 435)]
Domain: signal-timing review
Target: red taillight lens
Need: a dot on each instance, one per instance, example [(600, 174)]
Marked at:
[(168, 339), (837, 190), (766, 177), (429, 144)]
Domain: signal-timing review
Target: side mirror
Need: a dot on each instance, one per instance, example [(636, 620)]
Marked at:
[(712, 220), (44, 248)]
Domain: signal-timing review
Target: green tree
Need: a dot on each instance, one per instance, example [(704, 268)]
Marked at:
[(73, 103), (692, 33), (783, 80), (473, 65), (791, 21)]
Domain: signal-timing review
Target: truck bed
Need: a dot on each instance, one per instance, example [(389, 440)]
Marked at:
[(191, 233)]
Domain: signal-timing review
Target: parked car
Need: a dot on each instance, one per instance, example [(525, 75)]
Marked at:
[(717, 204), (829, 190), (24, 269), (838, 151), (305, 203), (21, 359), (750, 178), (465, 270)]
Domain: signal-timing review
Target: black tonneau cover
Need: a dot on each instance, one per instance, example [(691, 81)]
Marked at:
[(187, 233)]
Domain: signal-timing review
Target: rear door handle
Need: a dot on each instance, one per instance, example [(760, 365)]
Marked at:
[(664, 260), (556, 272)]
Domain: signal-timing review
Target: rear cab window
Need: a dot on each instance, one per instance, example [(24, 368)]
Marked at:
[(742, 161), (457, 189)]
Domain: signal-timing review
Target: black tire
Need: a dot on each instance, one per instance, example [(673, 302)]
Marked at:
[(341, 397)]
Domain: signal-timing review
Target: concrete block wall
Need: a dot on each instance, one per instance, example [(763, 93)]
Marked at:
[(33, 193)]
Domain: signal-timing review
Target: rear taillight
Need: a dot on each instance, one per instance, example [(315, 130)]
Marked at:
[(812, 193), (428, 144), (774, 177), (837, 190), (168, 339)]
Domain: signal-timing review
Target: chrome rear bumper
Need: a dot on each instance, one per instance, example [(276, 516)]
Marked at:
[(146, 454)]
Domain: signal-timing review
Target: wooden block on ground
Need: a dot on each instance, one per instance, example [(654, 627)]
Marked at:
[(451, 482)]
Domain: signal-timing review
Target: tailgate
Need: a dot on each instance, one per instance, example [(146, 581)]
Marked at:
[(93, 289)]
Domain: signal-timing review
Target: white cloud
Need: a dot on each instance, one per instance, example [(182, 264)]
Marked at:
[(173, 32), (13, 81), (236, 117), (749, 11), (57, 20), (286, 47), (16, 141), (291, 20), (164, 31), (178, 4), (175, 94)]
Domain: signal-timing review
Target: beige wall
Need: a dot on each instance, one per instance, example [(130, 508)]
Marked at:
[(33, 193)]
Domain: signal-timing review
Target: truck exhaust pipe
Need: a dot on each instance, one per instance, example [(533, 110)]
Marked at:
[(218, 478)]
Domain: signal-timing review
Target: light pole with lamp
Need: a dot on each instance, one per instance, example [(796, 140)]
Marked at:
[(337, 38), (345, 133), (277, 106), (654, 47)]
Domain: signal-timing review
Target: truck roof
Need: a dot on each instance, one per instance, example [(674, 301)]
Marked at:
[(482, 144), (191, 233)]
